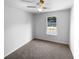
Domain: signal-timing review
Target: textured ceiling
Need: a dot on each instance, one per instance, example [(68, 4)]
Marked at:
[(52, 5)]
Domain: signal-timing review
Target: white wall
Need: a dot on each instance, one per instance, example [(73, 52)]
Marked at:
[(76, 29), (18, 29), (63, 24), (72, 32)]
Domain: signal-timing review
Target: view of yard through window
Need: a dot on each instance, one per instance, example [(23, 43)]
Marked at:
[(51, 26)]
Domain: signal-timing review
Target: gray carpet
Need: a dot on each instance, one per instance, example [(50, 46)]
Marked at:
[(38, 49)]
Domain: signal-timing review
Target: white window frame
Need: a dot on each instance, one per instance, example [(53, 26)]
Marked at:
[(50, 33)]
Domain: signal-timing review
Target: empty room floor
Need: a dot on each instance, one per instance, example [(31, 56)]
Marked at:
[(39, 49)]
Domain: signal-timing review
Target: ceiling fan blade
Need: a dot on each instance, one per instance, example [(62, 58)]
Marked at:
[(27, 1), (45, 8), (33, 2), (31, 6), (36, 7)]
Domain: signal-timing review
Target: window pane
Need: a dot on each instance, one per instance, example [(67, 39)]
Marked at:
[(51, 27)]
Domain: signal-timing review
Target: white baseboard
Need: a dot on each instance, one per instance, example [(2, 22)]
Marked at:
[(15, 49), (71, 51), (43, 38)]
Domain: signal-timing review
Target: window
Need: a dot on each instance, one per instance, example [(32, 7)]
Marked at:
[(51, 26)]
